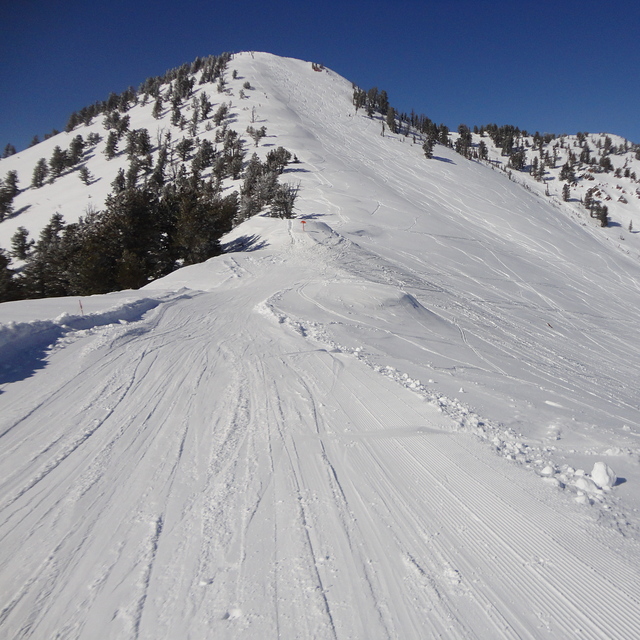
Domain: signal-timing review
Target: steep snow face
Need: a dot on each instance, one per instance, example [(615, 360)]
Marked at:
[(376, 424)]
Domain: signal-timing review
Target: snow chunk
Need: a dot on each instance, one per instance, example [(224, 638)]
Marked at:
[(554, 482), (603, 476), (232, 614), (585, 484)]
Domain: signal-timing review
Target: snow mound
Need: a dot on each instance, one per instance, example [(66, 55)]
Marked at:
[(586, 484), (603, 475), (18, 337)]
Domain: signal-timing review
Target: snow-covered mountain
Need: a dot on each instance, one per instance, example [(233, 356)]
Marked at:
[(411, 412), (605, 168)]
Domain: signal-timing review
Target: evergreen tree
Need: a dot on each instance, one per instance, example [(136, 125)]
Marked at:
[(256, 134), (157, 179), (184, 148), (282, 203), (204, 156), (85, 175), (253, 171), (464, 141), (119, 183), (220, 114), (76, 149), (122, 126), (175, 114), (383, 102), (205, 106), (566, 192), (589, 200), (427, 147), (111, 147), (595, 207), (567, 173), (605, 163), (235, 164), (247, 208), (132, 173), (443, 135), (256, 189), (602, 213), (585, 155), (40, 173), (58, 162), (73, 122), (157, 108), (193, 126), (93, 139), (266, 186), (138, 143), (20, 244), (6, 201), (112, 102), (278, 159), (8, 286), (195, 109), (391, 119), (517, 159), (202, 218), (111, 120), (45, 272), (131, 148), (507, 144), (9, 150), (359, 98), (133, 222), (91, 252), (11, 183)]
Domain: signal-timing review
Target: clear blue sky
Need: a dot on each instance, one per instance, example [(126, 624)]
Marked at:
[(561, 67)]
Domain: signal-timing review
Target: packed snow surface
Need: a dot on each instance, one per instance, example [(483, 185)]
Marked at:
[(373, 425)]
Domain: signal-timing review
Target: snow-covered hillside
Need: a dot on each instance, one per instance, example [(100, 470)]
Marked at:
[(606, 165), (397, 419)]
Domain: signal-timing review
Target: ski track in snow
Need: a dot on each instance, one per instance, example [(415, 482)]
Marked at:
[(256, 458)]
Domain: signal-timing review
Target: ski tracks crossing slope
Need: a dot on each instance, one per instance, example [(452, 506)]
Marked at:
[(213, 470)]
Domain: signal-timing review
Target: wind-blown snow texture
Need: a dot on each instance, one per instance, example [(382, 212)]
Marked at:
[(381, 425)]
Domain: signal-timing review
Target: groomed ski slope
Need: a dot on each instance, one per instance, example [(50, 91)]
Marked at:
[(377, 426)]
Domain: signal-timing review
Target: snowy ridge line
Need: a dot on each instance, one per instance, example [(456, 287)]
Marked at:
[(16, 337), (503, 440)]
